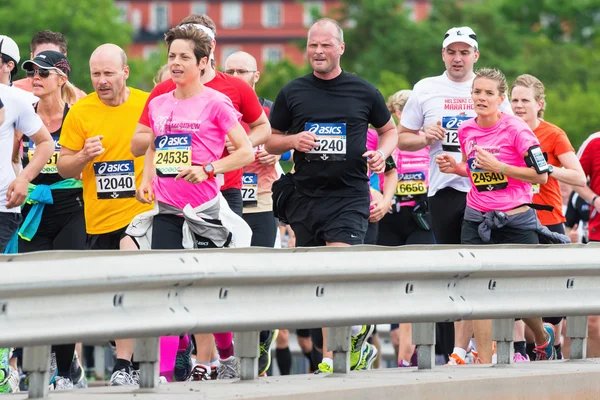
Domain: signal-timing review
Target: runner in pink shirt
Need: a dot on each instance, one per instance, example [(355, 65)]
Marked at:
[(502, 158), (190, 125)]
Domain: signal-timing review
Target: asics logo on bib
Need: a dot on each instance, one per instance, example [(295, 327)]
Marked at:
[(416, 176), (453, 122), (326, 129), (113, 167), (250, 179), (173, 141)]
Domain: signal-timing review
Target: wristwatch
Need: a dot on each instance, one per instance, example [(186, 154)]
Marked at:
[(209, 170), (550, 169)]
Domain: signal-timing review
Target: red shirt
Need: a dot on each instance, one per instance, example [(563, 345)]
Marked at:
[(244, 100), (589, 157)]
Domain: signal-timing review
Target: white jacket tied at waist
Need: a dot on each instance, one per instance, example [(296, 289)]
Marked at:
[(196, 221)]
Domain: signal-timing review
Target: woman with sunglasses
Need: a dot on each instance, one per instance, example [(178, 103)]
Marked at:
[(53, 212)]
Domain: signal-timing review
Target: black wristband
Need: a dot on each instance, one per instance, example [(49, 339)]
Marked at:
[(593, 200)]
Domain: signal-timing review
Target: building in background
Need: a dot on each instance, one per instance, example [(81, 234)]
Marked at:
[(269, 30)]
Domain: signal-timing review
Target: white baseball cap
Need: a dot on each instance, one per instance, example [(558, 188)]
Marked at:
[(464, 34), (9, 48)]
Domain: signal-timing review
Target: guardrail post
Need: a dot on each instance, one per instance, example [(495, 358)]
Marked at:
[(502, 333), (577, 329), (36, 361), (423, 336), (247, 351), (338, 341), (146, 352)]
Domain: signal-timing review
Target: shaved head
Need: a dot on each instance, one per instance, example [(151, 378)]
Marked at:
[(109, 51), (243, 65), (331, 25), (109, 70)]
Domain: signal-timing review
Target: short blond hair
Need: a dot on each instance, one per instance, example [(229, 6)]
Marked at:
[(531, 82), (397, 101), (493, 74)]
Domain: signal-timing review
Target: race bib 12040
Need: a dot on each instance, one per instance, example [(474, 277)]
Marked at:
[(173, 151), (331, 139), (250, 189), (115, 179), (451, 124), (50, 167)]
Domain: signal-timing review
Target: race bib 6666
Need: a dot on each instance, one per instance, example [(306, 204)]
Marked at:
[(114, 179), (331, 139)]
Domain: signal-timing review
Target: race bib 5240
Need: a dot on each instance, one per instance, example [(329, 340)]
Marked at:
[(451, 125), (50, 167), (115, 179), (486, 181), (173, 151), (331, 138), (250, 189)]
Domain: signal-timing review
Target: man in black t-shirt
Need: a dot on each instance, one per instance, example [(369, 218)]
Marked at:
[(578, 213), (324, 117)]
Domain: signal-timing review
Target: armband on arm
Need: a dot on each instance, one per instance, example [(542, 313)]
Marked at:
[(535, 158)]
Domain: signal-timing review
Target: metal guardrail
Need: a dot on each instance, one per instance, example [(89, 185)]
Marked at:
[(111, 295)]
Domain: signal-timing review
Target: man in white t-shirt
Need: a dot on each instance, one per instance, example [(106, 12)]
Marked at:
[(440, 104), (18, 114)]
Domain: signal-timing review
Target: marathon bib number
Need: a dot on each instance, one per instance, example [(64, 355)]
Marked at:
[(411, 184), (114, 179), (486, 181), (172, 153), (331, 140), (451, 124), (50, 167), (250, 190)]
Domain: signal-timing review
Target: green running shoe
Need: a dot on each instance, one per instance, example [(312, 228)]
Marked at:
[(358, 343)]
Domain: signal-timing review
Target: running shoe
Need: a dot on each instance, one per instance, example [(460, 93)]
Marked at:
[(162, 380), (414, 359), (199, 373), (559, 354), (369, 356), (63, 383), (135, 375), (183, 364), (121, 377), (213, 372), (15, 380), (77, 373), (264, 359), (455, 359), (546, 351), (228, 368), (520, 358), (53, 368), (358, 343), (324, 368), (4, 371)]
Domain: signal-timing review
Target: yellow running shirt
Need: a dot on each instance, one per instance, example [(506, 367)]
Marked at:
[(110, 180)]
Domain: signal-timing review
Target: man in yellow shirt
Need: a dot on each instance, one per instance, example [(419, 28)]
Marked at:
[(95, 141)]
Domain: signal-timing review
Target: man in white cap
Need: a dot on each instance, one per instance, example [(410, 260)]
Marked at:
[(440, 104)]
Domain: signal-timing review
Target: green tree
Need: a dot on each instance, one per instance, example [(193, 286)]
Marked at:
[(85, 25), (143, 70), (276, 75)]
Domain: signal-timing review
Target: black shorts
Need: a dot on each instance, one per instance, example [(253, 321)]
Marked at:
[(234, 200), (264, 228), (105, 241), (318, 220), (167, 234), (447, 210), (372, 233), (401, 228), (505, 235), (58, 232)]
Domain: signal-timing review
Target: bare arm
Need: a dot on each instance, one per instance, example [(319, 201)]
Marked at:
[(389, 185), (448, 165), (489, 162), (388, 138), (71, 163), (142, 137), (279, 142), (588, 195), (260, 130), (411, 140), (572, 173)]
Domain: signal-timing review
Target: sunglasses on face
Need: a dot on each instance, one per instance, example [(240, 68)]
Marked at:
[(43, 73)]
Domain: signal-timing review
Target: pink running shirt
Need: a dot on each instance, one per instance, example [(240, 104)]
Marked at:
[(205, 120), (413, 174), (508, 140)]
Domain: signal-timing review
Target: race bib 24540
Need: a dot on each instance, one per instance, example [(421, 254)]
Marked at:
[(331, 138), (114, 179)]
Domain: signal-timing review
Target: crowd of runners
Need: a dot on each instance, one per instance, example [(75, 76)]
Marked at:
[(463, 158)]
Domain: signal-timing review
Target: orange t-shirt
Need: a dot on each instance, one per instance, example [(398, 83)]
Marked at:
[(554, 142)]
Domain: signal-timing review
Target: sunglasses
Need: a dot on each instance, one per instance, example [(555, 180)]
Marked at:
[(43, 73)]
